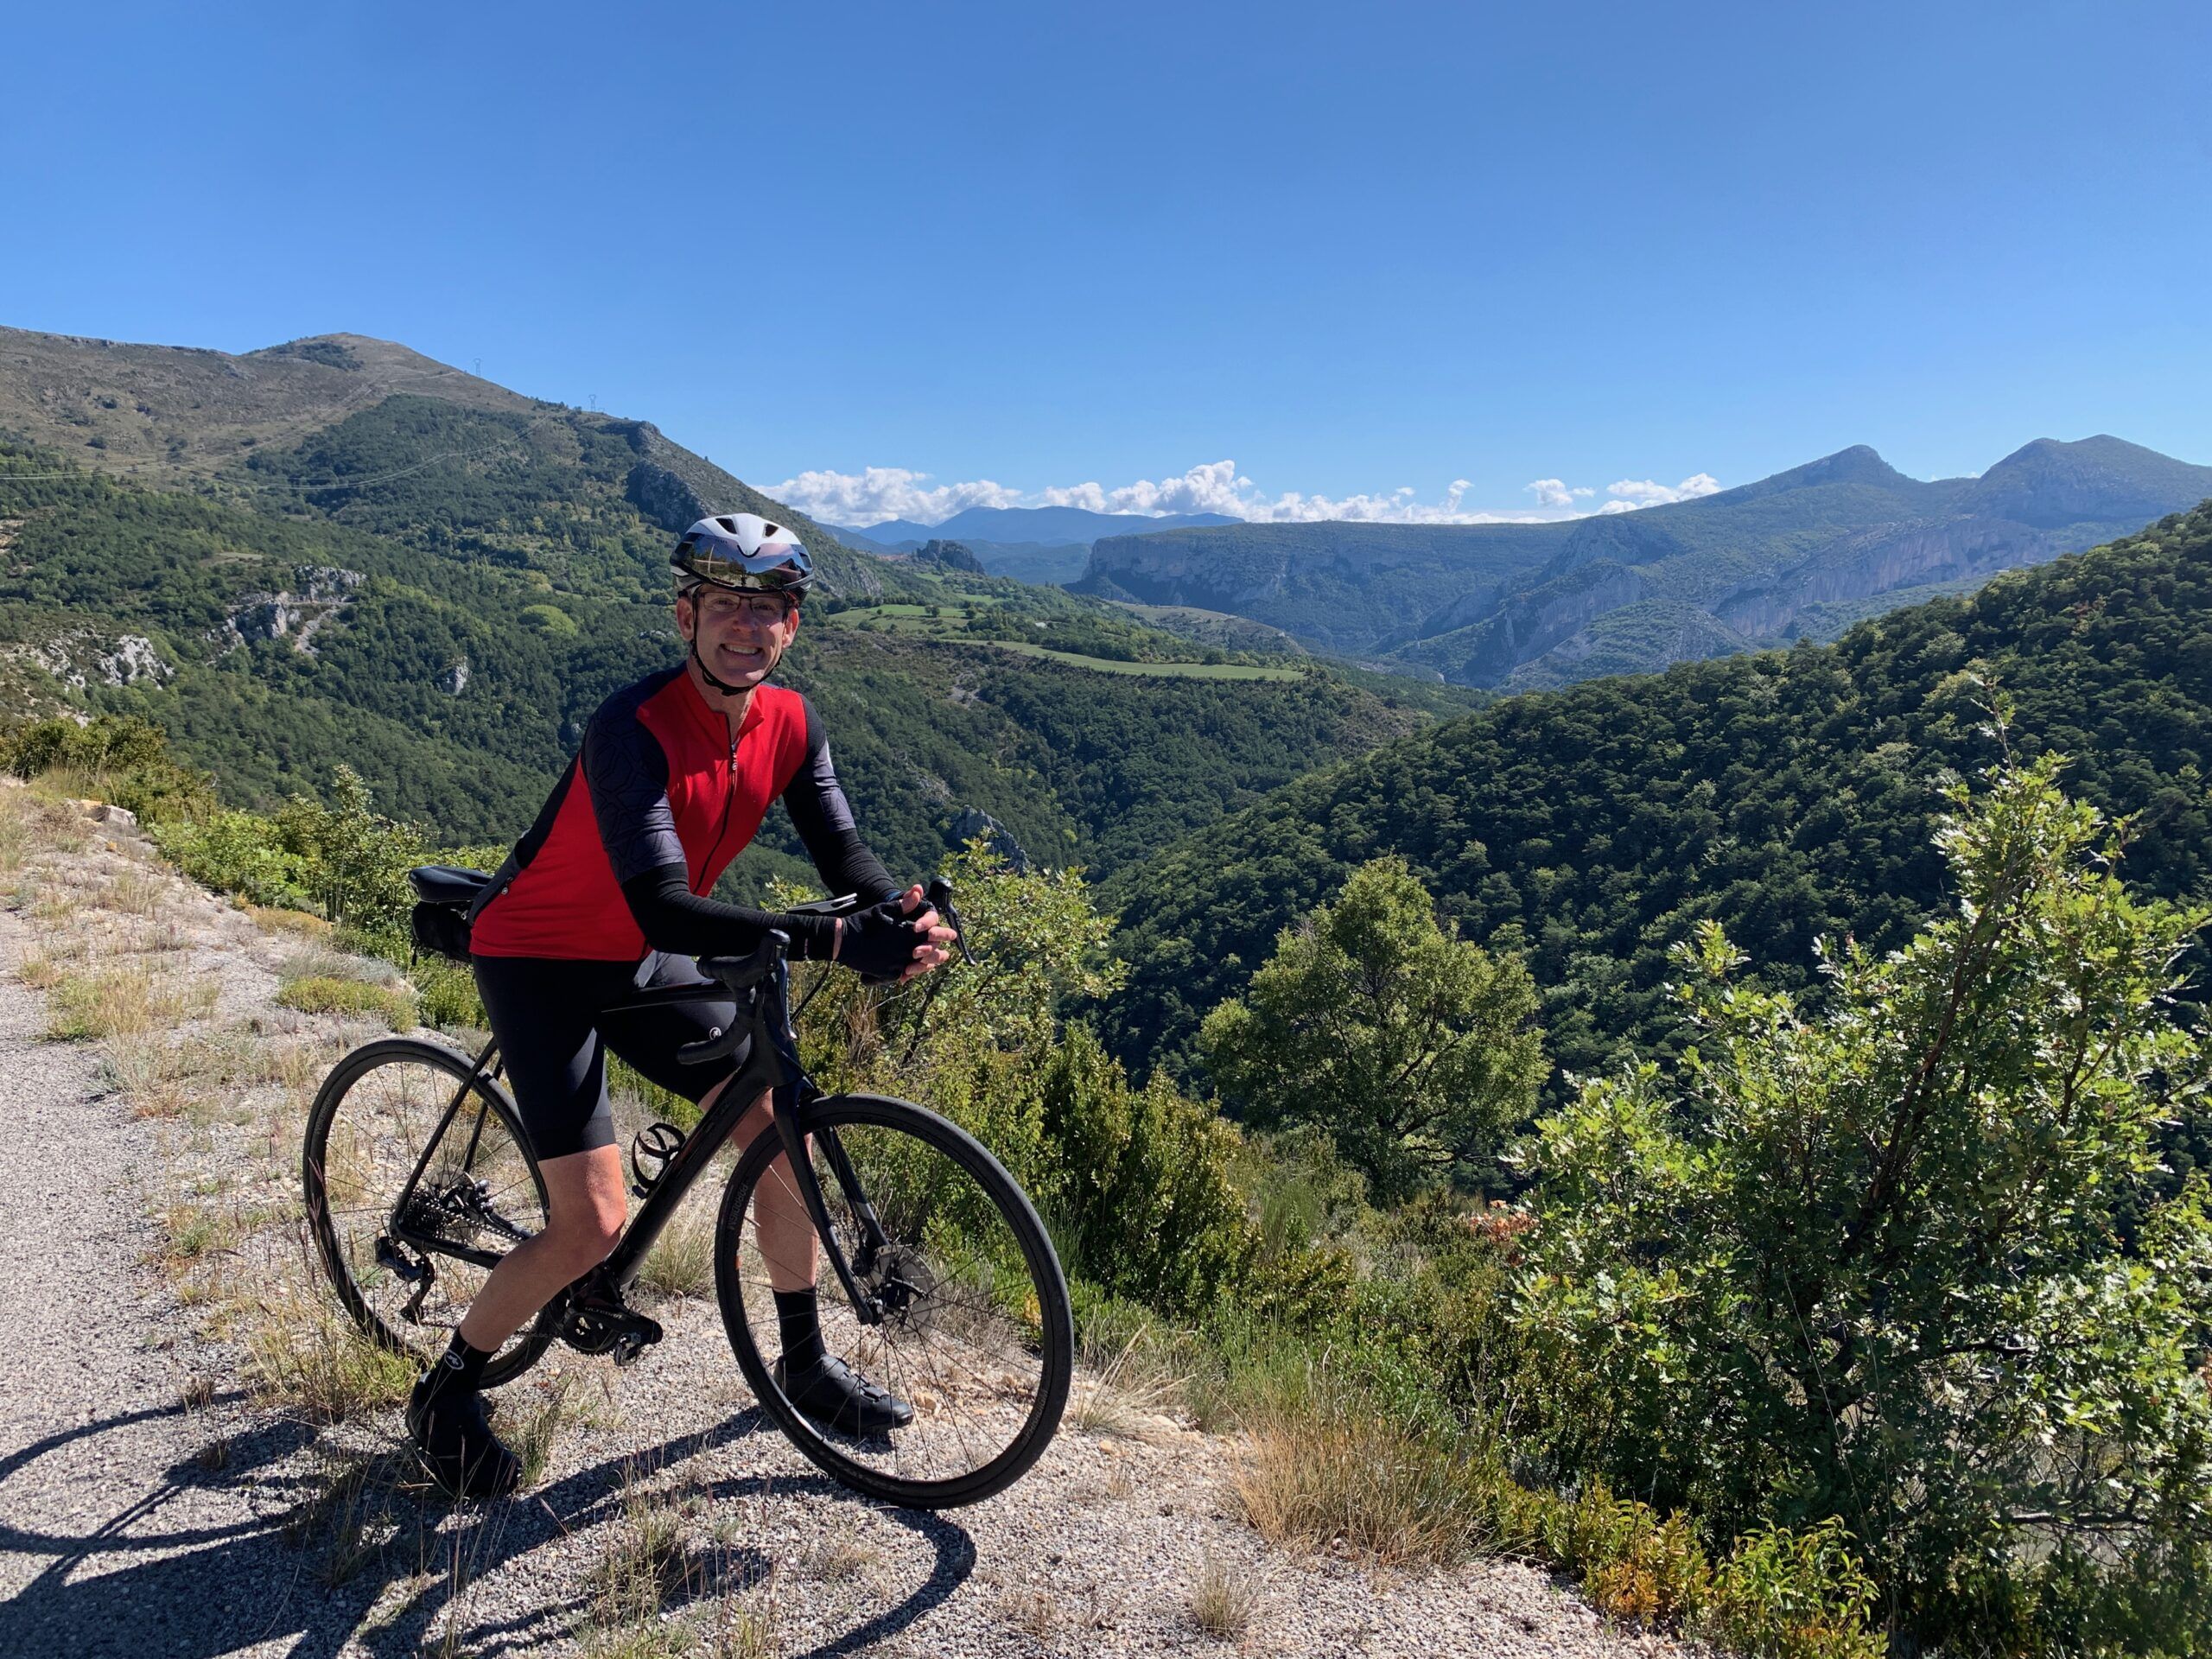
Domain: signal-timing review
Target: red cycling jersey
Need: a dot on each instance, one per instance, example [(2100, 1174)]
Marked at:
[(665, 784)]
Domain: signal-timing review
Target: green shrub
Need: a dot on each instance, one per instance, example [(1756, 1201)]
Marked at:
[(1414, 1049), (1911, 1261), (323, 993), (116, 758), (1793, 1595), (236, 852), (1140, 1180), (356, 859), (446, 994)]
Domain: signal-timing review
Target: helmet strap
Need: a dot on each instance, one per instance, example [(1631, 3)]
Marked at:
[(707, 674)]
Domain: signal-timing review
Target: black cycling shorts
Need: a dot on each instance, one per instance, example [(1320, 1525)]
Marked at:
[(554, 1035)]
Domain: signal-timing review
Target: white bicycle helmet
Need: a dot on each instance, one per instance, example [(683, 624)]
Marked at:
[(745, 552)]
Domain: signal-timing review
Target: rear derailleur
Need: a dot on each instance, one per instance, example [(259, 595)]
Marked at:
[(595, 1319)]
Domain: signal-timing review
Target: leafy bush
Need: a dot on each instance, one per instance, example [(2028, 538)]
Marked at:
[(1911, 1262), (1140, 1180), (115, 756), (356, 859), (1793, 1595), (236, 852), (1413, 1048), (1137, 1180)]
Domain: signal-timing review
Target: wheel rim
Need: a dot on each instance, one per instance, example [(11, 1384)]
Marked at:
[(964, 1335), (486, 1197)]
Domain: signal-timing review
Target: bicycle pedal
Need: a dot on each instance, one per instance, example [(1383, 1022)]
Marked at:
[(635, 1338)]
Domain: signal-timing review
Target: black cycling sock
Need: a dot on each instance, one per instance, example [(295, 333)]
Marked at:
[(460, 1369), (799, 1323)]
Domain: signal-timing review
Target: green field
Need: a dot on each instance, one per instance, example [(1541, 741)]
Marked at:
[(952, 622), (1172, 671)]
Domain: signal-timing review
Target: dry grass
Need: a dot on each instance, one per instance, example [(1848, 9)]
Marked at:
[(38, 971), (1030, 1610), (1223, 1597), (558, 1404), (271, 919), (682, 1259), (305, 1357), (1328, 1471), (134, 892), (124, 1002), (53, 906), (1130, 1393), (648, 1561), (843, 1555), (197, 1230), (165, 1075), (353, 1516), (15, 838), (651, 1563)]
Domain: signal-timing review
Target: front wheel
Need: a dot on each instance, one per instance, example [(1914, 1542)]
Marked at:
[(975, 1332)]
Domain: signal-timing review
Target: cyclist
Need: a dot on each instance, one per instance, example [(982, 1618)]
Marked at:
[(607, 891)]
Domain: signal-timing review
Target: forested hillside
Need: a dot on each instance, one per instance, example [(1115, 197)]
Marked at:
[(446, 627), (1789, 794), (1799, 555)]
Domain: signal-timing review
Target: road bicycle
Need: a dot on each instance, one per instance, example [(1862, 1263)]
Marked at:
[(942, 1284)]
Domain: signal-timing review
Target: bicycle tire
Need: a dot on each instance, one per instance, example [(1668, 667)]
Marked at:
[(377, 1153), (871, 1127)]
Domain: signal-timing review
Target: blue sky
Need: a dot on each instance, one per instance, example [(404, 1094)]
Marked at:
[(1351, 250)]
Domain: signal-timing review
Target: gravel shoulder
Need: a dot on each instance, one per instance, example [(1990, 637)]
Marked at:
[(153, 1503)]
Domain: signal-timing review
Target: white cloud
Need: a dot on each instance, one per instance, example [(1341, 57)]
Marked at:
[(1553, 492), (1631, 493), (869, 498), (1214, 487), (880, 493)]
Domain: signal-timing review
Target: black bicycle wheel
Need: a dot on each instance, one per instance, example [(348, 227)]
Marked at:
[(976, 1335), (480, 1191)]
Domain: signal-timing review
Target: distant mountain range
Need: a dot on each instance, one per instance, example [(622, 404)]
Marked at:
[(1803, 554), (1040, 544)]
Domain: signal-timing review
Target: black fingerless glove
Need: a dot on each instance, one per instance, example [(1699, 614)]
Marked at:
[(879, 942)]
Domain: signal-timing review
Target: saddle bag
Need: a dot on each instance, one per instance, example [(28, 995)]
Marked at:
[(443, 896)]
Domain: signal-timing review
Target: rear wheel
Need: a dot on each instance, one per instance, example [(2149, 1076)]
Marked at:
[(976, 1332), (398, 1274)]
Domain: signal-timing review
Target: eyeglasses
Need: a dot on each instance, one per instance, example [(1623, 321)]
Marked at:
[(753, 607)]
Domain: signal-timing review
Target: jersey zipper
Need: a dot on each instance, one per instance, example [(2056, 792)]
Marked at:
[(729, 799)]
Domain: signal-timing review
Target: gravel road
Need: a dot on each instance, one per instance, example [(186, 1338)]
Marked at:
[(148, 1507)]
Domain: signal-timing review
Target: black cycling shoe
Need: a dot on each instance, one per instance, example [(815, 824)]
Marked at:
[(456, 1445), (837, 1396)]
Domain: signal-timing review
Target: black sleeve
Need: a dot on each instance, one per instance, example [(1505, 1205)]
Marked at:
[(824, 820), (674, 919), (627, 772)]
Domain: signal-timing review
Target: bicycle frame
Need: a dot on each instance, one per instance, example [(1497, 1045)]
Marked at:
[(772, 1066)]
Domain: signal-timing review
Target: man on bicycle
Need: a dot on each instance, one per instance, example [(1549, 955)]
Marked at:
[(606, 893)]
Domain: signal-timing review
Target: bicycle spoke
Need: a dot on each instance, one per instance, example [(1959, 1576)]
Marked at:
[(958, 1339), (372, 1143)]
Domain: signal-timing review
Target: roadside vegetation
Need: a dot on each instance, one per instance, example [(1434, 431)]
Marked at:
[(1873, 1322)]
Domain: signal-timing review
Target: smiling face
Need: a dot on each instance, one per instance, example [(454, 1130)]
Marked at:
[(739, 636)]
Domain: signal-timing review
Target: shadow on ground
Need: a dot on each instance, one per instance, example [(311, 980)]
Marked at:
[(148, 1578)]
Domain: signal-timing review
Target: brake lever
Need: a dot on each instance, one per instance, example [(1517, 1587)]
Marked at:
[(940, 897), (739, 974)]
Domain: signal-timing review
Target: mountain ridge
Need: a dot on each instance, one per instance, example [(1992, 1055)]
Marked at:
[(1764, 560), (1790, 794)]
